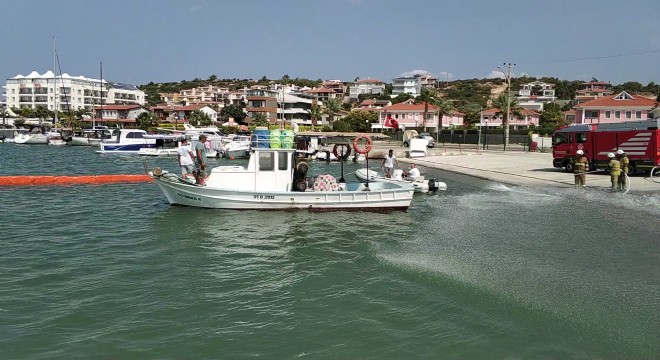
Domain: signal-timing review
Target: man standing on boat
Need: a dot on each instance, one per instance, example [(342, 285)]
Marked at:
[(200, 160), (186, 156), (388, 164)]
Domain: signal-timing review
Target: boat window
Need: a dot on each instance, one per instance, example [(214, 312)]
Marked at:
[(282, 161), (266, 161)]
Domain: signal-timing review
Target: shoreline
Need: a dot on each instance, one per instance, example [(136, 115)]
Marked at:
[(523, 169)]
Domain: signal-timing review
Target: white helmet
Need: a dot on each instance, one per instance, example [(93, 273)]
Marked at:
[(610, 155), (580, 152), (619, 151)]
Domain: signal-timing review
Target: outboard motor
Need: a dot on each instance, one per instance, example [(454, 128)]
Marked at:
[(434, 185)]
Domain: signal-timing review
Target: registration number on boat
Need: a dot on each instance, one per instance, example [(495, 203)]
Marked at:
[(264, 197)]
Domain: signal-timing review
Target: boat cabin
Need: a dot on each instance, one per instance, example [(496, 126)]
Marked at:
[(267, 170)]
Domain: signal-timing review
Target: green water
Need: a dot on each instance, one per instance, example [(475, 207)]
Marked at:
[(482, 271)]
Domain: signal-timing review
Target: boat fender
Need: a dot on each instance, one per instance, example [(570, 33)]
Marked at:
[(301, 185), (346, 151), (302, 167), (367, 147)]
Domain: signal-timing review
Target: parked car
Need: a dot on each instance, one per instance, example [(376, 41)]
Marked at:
[(429, 138)]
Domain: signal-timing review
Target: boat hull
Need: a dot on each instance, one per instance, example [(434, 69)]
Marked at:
[(31, 139), (179, 192), (122, 148)]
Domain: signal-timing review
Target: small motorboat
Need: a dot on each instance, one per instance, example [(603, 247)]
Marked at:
[(55, 138), (419, 183)]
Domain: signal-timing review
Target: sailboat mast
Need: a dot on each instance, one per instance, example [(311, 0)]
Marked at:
[(55, 80), (101, 92)]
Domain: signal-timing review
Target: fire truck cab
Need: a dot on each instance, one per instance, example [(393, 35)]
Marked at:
[(640, 140)]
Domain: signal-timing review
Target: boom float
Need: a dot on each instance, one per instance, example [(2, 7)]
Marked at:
[(46, 180)]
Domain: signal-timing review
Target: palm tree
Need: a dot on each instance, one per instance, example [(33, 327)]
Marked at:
[(260, 119), (514, 108), (332, 106), (315, 112), (425, 97), (445, 108)]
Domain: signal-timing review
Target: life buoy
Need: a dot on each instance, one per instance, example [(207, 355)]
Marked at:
[(367, 147), (346, 153)]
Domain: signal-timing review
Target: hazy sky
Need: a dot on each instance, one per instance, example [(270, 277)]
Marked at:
[(172, 40)]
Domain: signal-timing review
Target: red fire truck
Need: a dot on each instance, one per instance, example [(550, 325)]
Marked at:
[(640, 140)]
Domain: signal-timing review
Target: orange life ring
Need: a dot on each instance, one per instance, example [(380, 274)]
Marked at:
[(367, 147), (346, 153)]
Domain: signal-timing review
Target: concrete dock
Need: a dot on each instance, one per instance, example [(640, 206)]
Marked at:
[(514, 166)]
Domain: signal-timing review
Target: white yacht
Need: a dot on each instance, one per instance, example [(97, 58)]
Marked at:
[(129, 141)]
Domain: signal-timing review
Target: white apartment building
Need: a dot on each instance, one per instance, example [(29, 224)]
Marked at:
[(67, 92), (366, 86), (407, 85), (533, 95)]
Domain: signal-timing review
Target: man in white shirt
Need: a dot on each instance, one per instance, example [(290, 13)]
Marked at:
[(185, 155), (388, 164), (413, 173)]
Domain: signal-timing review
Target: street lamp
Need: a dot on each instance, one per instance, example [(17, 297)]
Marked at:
[(485, 135), (507, 76)]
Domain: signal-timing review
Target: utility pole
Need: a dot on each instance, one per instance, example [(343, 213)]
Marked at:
[(507, 76)]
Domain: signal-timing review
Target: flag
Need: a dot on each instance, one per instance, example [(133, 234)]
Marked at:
[(389, 122)]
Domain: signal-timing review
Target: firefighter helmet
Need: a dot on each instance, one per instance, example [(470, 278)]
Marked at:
[(619, 152), (580, 152), (610, 155)]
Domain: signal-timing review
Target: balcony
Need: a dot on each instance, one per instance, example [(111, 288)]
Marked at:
[(25, 99)]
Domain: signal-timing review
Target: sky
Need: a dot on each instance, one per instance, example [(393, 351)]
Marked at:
[(139, 41)]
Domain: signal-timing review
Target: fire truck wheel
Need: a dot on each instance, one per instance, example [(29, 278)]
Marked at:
[(568, 166)]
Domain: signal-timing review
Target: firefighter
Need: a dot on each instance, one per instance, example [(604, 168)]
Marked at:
[(580, 164), (623, 161), (615, 171)]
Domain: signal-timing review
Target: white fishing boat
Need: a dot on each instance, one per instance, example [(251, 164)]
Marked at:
[(238, 148), (273, 181), (32, 137), (129, 141), (94, 136), (166, 145), (55, 138), (419, 183)]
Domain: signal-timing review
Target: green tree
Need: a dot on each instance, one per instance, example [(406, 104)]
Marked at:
[(551, 116), (260, 119), (199, 118), (19, 122), (332, 107), (426, 97), (27, 112), (315, 112), (514, 108), (445, 108), (213, 78), (146, 120), (358, 120), (42, 113), (234, 111), (401, 98)]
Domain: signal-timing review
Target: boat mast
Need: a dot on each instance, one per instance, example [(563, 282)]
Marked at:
[(101, 93), (55, 80)]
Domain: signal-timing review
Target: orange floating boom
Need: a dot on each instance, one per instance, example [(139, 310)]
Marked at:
[(71, 180)]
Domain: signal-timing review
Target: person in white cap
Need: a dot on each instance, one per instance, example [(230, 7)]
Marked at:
[(623, 160), (580, 164), (615, 170)]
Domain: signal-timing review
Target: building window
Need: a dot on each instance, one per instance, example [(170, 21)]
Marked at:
[(638, 114), (591, 114), (617, 114), (608, 114), (628, 114)]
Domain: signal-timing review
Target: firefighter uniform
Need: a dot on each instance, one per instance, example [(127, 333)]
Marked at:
[(580, 164), (623, 161), (615, 170)]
